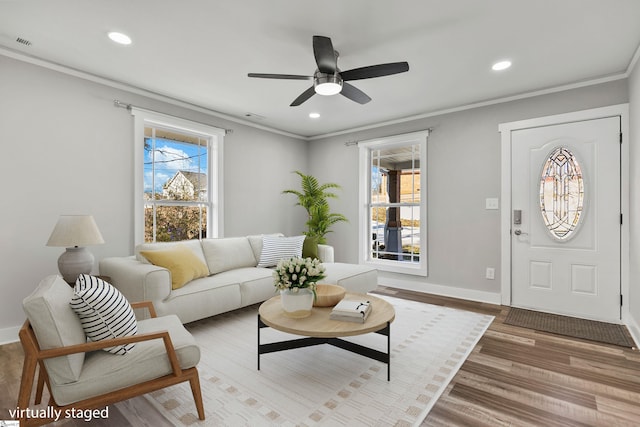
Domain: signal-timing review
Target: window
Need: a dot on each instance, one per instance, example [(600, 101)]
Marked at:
[(561, 194), (393, 201), (178, 185)]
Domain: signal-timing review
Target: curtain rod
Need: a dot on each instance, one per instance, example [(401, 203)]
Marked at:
[(119, 104), (350, 143)]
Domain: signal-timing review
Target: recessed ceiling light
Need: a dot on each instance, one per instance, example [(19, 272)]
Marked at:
[(314, 115), (502, 65), (119, 37)]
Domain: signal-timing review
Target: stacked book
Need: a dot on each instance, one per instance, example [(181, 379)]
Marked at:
[(351, 311)]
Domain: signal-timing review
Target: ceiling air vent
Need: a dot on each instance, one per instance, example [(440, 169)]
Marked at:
[(23, 41)]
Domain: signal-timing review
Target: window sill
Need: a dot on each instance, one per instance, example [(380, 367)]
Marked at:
[(413, 269)]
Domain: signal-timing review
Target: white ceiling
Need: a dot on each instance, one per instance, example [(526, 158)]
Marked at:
[(200, 51)]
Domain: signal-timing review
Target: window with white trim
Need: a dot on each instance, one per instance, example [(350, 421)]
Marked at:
[(393, 217), (178, 178)]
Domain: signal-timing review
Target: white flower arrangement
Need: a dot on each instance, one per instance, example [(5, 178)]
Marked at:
[(294, 273)]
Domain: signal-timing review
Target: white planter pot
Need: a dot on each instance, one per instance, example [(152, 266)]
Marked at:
[(296, 303)]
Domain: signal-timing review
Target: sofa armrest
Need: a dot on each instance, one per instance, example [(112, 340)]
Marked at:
[(138, 281), (325, 253)]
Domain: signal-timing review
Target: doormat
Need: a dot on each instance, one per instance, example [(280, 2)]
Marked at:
[(592, 330)]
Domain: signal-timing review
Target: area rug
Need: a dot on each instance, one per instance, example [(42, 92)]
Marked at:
[(324, 385), (571, 326)]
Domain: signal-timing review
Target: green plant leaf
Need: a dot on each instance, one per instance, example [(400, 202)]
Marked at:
[(313, 199)]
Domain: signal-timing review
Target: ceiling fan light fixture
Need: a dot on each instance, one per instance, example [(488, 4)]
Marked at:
[(327, 84)]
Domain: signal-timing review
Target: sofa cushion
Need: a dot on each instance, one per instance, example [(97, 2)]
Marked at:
[(56, 325), (227, 254), (256, 284), (183, 264), (193, 244), (104, 312), (275, 248), (255, 241), (203, 298), (353, 277)]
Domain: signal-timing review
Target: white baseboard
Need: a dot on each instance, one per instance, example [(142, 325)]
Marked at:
[(9, 335), (634, 330), (441, 290), (479, 296)]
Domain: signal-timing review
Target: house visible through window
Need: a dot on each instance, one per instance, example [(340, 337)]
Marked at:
[(180, 166), (175, 185), (393, 221)]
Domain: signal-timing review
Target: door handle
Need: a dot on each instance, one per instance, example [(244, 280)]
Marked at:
[(519, 232)]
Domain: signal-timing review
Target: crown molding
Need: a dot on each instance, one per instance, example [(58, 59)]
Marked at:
[(129, 88), (136, 90), (486, 103)]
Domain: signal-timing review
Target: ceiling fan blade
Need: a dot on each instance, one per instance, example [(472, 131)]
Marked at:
[(354, 94), (324, 54), (280, 76), (303, 97), (372, 71)]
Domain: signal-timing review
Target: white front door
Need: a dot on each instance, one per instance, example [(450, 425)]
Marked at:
[(565, 219)]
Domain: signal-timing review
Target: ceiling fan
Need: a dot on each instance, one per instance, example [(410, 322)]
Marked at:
[(329, 80)]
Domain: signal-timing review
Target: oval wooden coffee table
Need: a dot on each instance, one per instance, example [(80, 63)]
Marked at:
[(319, 329)]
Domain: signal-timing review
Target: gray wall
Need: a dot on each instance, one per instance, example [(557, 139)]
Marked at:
[(634, 184), (463, 169), (66, 149)]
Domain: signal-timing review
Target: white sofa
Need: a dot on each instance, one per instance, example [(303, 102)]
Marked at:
[(234, 278)]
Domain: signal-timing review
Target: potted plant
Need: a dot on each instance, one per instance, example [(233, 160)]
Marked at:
[(314, 198), (296, 278)]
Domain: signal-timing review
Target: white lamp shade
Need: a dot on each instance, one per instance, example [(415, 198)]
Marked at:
[(75, 230)]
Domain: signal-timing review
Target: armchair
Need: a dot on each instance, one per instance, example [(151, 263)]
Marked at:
[(79, 375)]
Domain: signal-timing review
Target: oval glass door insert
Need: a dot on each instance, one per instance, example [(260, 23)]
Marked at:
[(561, 193)]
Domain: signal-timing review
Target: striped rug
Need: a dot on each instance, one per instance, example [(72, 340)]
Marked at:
[(324, 385)]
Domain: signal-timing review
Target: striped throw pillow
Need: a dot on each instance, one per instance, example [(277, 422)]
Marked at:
[(275, 248), (103, 311)]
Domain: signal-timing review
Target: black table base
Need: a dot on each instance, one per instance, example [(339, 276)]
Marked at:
[(337, 342)]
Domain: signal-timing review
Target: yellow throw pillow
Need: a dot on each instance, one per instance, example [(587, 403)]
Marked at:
[(183, 264)]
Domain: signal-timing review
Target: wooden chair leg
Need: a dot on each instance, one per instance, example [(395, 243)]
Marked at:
[(40, 385), (197, 394), (26, 383)]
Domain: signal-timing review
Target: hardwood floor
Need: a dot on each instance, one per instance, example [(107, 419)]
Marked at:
[(514, 377), (521, 377)]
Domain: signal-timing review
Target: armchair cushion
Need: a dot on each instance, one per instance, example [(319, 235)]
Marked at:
[(103, 311), (104, 372), (56, 325)]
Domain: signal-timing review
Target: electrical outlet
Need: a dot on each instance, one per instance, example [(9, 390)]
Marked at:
[(491, 273)]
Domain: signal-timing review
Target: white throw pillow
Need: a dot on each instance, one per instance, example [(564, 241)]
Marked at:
[(275, 248), (103, 311)]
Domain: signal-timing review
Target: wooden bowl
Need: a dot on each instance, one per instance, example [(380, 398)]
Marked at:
[(328, 295)]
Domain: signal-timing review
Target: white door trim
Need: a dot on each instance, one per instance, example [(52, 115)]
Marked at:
[(505, 129)]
